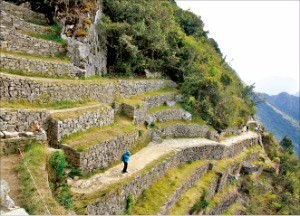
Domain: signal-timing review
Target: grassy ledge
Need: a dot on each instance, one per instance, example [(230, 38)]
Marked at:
[(62, 115), (36, 157), (163, 108), (83, 140), (24, 104), (152, 199), (36, 57), (235, 209), (138, 99)]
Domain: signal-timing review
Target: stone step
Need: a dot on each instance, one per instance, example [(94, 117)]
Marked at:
[(22, 12), (137, 106), (110, 198), (65, 122), (11, 21), (161, 195), (221, 176), (34, 66), (45, 90), (16, 41), (97, 148)]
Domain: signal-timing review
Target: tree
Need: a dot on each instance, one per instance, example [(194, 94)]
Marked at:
[(287, 144)]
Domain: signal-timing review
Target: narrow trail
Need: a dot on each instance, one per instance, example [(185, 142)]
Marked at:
[(144, 157)]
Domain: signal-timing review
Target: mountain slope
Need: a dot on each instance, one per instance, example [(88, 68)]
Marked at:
[(278, 123), (288, 104)]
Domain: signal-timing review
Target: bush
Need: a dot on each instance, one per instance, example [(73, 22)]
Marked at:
[(129, 203), (57, 163)]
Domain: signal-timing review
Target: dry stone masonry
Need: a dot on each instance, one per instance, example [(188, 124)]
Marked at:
[(22, 12), (102, 154), (58, 128), (11, 40), (38, 66)]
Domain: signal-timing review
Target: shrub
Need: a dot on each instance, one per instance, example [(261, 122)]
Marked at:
[(57, 163), (129, 203)]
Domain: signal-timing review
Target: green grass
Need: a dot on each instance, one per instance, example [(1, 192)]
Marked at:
[(35, 57), (153, 198), (24, 104), (35, 157), (36, 22), (222, 196), (163, 108), (82, 200), (83, 140), (235, 209), (34, 74), (187, 200), (61, 115), (137, 100), (50, 37)]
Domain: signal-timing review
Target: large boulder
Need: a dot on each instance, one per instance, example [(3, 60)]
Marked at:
[(186, 116)]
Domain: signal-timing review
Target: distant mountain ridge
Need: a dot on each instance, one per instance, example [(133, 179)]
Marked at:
[(280, 115)]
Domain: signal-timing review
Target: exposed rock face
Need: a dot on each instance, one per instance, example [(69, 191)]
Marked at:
[(79, 20)]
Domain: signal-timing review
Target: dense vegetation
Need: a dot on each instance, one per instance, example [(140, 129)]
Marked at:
[(277, 191), (159, 36)]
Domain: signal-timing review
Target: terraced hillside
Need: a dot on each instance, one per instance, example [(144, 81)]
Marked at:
[(50, 114)]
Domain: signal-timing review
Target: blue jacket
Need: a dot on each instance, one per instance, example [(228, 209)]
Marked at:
[(126, 156)]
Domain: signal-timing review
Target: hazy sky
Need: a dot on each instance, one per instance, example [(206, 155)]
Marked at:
[(260, 39)]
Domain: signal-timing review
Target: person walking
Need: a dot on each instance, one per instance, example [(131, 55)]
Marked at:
[(125, 159)]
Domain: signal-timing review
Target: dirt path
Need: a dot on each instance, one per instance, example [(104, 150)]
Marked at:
[(8, 173), (144, 157)]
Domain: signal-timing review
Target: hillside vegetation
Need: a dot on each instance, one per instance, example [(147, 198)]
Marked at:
[(159, 36)]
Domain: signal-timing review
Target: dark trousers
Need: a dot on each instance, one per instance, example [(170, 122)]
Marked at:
[(125, 167)]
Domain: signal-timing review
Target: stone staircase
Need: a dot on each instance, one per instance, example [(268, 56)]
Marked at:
[(106, 118)]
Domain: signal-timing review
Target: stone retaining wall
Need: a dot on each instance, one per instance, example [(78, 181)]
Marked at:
[(168, 115), (57, 129), (186, 131), (19, 120), (21, 12), (129, 88), (157, 100), (40, 66), (198, 173), (114, 202), (47, 90), (17, 23), (12, 40), (103, 154)]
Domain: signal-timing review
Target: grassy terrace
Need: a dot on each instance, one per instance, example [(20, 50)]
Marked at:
[(153, 198), (83, 140), (59, 80), (35, 57), (61, 115), (187, 200), (235, 209), (163, 108), (82, 200), (222, 195), (36, 158), (138, 99), (24, 104)]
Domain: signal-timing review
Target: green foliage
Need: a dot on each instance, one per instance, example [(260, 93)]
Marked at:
[(201, 204), (129, 203), (57, 163), (274, 193), (287, 144), (152, 125), (159, 36), (57, 168), (74, 172)]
